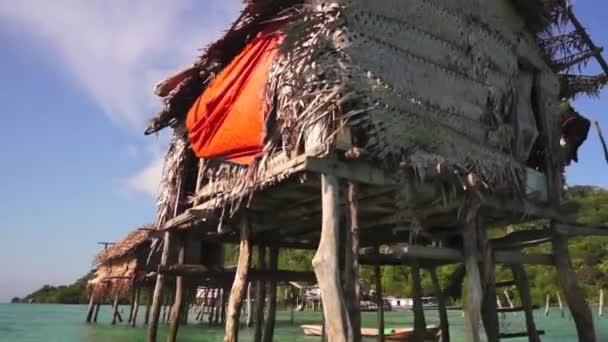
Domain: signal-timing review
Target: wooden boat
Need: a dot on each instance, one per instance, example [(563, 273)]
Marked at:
[(433, 333)]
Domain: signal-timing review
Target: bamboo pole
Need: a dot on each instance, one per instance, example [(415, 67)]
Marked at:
[(547, 302), (136, 307), (260, 297), (268, 334), (325, 261), (441, 306), (601, 306), (419, 319), (602, 141), (238, 286), (379, 299), (158, 289), (176, 309)]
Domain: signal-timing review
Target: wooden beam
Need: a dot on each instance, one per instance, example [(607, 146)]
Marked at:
[(222, 274), (405, 252), (506, 283), (360, 172), (579, 230), (325, 262), (520, 334), (522, 239), (238, 286), (517, 309)]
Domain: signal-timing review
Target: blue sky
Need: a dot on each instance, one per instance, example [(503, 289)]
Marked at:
[(76, 168)]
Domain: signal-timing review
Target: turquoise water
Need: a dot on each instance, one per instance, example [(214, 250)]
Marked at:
[(65, 323)]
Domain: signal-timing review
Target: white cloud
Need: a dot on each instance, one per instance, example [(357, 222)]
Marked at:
[(147, 180), (117, 50)]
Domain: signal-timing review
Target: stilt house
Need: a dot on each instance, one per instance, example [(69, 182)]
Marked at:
[(346, 124)]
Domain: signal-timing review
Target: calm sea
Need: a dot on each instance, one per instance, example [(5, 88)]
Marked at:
[(65, 323)]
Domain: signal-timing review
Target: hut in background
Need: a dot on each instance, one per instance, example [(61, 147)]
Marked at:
[(431, 118)]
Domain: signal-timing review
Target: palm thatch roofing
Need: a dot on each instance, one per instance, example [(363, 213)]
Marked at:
[(125, 247), (317, 93)]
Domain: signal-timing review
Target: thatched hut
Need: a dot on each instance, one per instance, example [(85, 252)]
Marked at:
[(435, 113)]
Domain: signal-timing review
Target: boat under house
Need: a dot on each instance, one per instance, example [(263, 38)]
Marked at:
[(345, 125)]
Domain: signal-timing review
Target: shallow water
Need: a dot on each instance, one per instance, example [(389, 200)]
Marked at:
[(65, 323)]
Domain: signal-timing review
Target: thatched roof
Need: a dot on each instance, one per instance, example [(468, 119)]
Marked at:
[(124, 247)]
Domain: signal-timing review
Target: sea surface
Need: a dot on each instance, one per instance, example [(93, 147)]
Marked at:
[(65, 323)]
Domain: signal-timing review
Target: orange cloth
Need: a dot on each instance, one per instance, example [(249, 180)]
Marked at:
[(227, 120)]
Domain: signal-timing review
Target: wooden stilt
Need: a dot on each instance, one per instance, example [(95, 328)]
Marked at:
[(165, 307), (379, 299), (351, 262), (419, 319), (115, 309), (148, 305), (136, 307), (260, 298), (158, 289), (601, 306), (218, 307), (91, 308), (488, 302), (97, 307), (238, 286), (177, 308), (211, 312), (186, 313), (273, 264), (132, 306), (205, 304), (561, 305), (248, 307), (508, 297), (519, 274), (441, 306), (325, 262), (575, 297), (547, 304), (474, 289)]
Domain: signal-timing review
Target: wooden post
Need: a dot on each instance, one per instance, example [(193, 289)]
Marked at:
[(136, 307), (115, 309), (474, 290), (248, 307), (132, 307), (560, 304), (148, 305), (601, 306), (521, 279), (176, 313), (419, 319), (509, 300), (238, 286), (260, 297), (602, 141), (325, 262), (212, 306), (581, 313), (97, 307), (218, 307), (547, 304), (165, 307), (441, 306), (224, 303), (379, 299), (91, 308), (488, 302), (351, 262), (158, 289), (273, 261)]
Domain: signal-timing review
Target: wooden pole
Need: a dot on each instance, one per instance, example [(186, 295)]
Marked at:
[(601, 306), (441, 306), (260, 297), (165, 307), (97, 307), (248, 307), (212, 306), (224, 304), (523, 287), (508, 296), (91, 308), (115, 309), (325, 261), (419, 319), (218, 307), (177, 308), (273, 264), (158, 289), (488, 302), (474, 290), (547, 302), (599, 133), (351, 262), (379, 299), (136, 307), (148, 305), (561, 305), (238, 286), (132, 307)]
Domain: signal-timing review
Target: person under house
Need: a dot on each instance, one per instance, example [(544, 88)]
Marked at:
[(574, 131)]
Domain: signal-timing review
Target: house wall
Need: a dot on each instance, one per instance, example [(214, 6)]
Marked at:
[(447, 80)]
